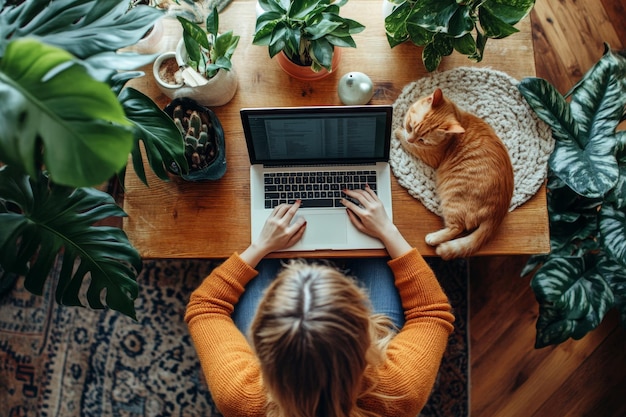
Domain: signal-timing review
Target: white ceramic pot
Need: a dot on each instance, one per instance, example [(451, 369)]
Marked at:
[(219, 89), (387, 8), (169, 89), (151, 43)]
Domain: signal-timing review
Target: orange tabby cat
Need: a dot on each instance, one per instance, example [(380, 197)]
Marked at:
[(474, 175)]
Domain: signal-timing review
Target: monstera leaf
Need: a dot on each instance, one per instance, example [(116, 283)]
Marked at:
[(39, 219), (47, 97), (583, 275), (92, 32), (84, 28), (157, 131), (66, 120)]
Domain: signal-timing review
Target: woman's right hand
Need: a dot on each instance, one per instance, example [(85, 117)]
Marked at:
[(370, 218), (280, 231)]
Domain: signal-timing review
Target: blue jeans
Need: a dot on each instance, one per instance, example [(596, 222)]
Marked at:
[(373, 274)]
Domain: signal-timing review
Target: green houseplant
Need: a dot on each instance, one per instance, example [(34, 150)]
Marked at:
[(208, 51), (443, 26), (205, 71), (307, 31), (56, 142), (584, 275), (205, 147)]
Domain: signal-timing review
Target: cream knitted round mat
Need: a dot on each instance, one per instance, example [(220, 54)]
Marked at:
[(493, 96)]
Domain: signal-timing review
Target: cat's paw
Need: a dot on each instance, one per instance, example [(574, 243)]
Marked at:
[(400, 133), (441, 236), (431, 239)]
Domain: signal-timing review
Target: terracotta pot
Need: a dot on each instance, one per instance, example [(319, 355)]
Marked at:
[(305, 73)]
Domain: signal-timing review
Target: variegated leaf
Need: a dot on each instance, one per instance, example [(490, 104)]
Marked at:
[(598, 100), (554, 277), (575, 299), (612, 223), (590, 169), (551, 328)]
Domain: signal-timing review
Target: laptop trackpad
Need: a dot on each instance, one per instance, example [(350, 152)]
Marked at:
[(326, 230)]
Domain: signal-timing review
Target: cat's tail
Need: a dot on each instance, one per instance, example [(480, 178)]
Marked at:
[(465, 246)]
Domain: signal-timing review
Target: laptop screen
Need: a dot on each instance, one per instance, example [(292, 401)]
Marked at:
[(317, 135)]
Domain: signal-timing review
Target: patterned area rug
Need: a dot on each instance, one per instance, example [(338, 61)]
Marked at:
[(58, 361)]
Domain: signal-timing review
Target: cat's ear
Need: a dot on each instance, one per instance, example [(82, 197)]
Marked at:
[(454, 128), (437, 97)]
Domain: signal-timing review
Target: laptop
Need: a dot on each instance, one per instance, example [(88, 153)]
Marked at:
[(311, 154)]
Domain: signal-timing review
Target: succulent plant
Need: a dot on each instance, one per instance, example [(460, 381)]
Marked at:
[(200, 145)]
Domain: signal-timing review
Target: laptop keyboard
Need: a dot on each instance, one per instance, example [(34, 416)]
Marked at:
[(315, 189)]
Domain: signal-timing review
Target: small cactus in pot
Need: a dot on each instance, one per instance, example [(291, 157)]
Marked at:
[(203, 138), (200, 149)]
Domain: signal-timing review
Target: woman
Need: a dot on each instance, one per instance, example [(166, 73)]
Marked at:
[(317, 349)]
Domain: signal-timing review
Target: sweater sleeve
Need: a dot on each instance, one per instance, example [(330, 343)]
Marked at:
[(414, 354), (230, 367)]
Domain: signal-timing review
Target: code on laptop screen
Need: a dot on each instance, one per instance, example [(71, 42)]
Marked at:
[(318, 135)]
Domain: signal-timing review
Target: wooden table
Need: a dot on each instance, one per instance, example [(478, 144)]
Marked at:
[(179, 219)]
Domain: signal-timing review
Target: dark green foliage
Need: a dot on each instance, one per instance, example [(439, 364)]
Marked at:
[(584, 275), (307, 31), (67, 121), (442, 26), (208, 50)]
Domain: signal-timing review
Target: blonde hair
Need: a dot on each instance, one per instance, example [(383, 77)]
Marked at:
[(315, 335)]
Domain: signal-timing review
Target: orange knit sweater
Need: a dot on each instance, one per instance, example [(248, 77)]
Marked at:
[(408, 374)]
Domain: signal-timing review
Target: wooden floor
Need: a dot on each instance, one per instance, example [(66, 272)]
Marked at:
[(577, 378)]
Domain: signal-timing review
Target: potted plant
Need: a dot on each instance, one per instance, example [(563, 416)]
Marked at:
[(304, 33), (443, 26), (204, 71), (204, 140), (584, 275), (57, 142), (151, 41)]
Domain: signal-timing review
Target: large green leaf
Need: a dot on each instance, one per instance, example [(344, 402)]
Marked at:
[(322, 53), (508, 11), (584, 274), (160, 136), (50, 102), (589, 168), (82, 27), (39, 219), (574, 297), (441, 45), (550, 106), (300, 9), (493, 26), (598, 100), (615, 275), (396, 24), (445, 16), (419, 36), (612, 224), (274, 6), (552, 329), (466, 45), (617, 197)]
